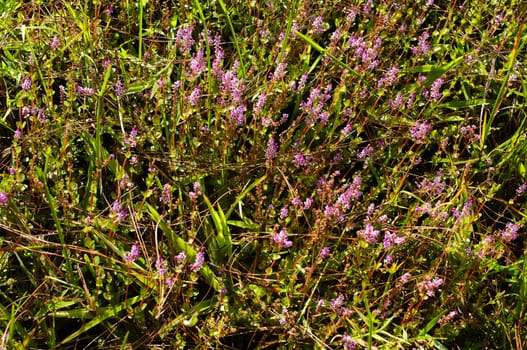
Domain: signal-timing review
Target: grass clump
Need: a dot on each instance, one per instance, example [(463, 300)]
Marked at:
[(262, 175)]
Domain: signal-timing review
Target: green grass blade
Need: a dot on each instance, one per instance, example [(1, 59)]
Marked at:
[(324, 51), (518, 47), (183, 246), (241, 55), (102, 315)]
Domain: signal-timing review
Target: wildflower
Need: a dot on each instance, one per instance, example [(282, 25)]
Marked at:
[(85, 91), (119, 88), (510, 233), (347, 130), (318, 25), (411, 99), (279, 72), (18, 134), (282, 239), (389, 239), (519, 190), (218, 55), (352, 192), (4, 196), (499, 19), (302, 82), (419, 131), (54, 44), (404, 278), (301, 160), (198, 263), (315, 103), (320, 303), (123, 183), (296, 201), (170, 281), (382, 219), (390, 77), (349, 344), (283, 118), (336, 303), (26, 84), (166, 195), (161, 266), (351, 14), (369, 234), (197, 64), (231, 85), (308, 202), (238, 114), (197, 191), (284, 212), (437, 186), (434, 89), (133, 255), (193, 98), (428, 286), (260, 103), (121, 213), (131, 139), (283, 319), (398, 102), (367, 7), (333, 211), (423, 47), (272, 149), (338, 158), (448, 317), (184, 39), (180, 258), (325, 252), (365, 152)]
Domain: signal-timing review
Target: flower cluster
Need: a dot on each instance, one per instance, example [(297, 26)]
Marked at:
[(4, 196), (369, 234), (282, 239), (196, 191), (510, 233), (133, 255), (428, 286), (198, 263)]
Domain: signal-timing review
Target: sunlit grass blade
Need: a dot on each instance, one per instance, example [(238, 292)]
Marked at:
[(183, 246), (239, 49), (324, 51), (101, 315), (519, 43)]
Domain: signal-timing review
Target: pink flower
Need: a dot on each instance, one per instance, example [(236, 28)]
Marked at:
[(26, 84), (198, 263), (282, 239), (54, 44), (133, 255), (369, 234)]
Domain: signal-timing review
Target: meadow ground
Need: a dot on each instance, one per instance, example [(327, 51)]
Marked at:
[(263, 174)]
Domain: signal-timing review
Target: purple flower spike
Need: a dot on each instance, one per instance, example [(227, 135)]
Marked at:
[(133, 255)]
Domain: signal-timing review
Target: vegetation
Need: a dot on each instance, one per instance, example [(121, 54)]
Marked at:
[(263, 174)]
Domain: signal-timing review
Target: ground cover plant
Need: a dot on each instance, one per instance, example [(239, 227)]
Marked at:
[(263, 174)]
